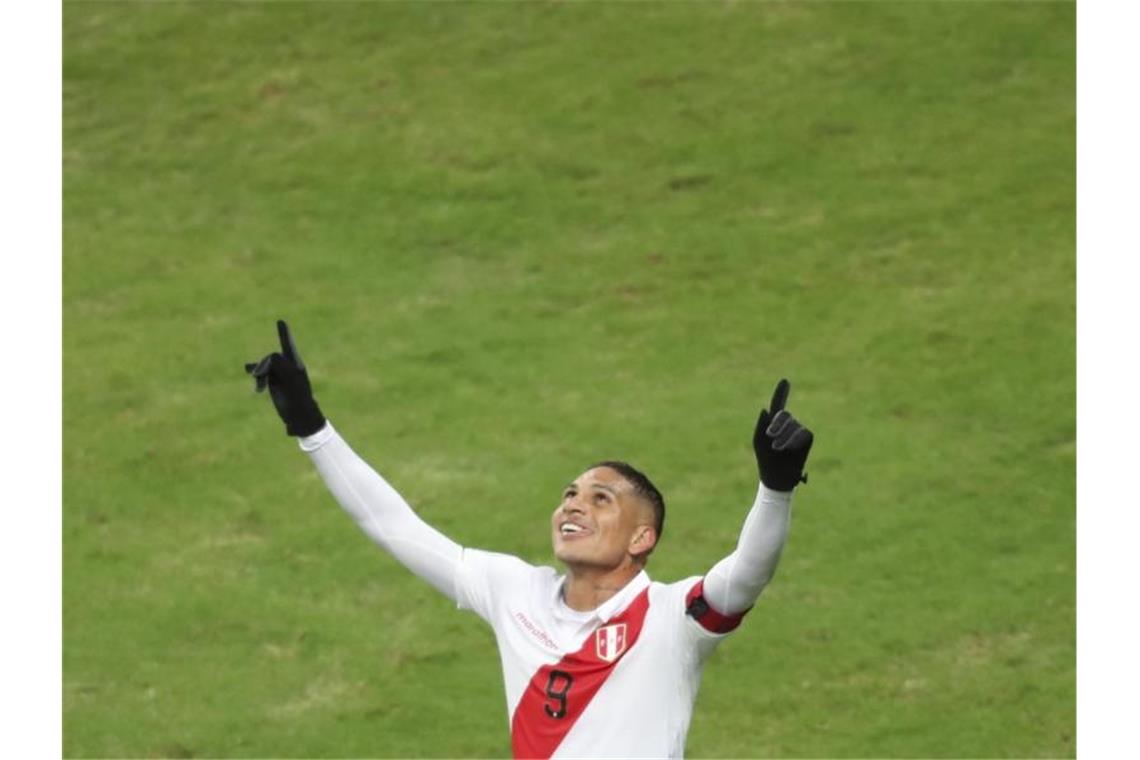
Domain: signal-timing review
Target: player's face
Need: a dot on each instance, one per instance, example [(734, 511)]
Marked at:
[(601, 521)]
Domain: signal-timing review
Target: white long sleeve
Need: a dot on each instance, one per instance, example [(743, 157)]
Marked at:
[(382, 513), (734, 584)]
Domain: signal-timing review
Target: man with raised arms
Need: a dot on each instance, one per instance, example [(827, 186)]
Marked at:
[(599, 661)]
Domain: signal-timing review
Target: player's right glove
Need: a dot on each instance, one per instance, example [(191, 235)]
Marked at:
[(781, 444), (285, 376)]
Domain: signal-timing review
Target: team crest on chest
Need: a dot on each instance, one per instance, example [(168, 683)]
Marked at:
[(609, 641)]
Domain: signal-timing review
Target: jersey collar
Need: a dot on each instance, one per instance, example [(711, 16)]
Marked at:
[(623, 598), (616, 603)]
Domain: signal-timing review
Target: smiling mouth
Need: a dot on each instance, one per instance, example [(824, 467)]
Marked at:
[(570, 530)]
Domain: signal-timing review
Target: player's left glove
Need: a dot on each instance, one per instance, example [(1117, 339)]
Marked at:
[(781, 444), (285, 376)]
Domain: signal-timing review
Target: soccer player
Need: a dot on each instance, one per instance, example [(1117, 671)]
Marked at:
[(599, 661)]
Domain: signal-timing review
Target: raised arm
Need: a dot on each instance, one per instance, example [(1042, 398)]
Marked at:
[(781, 445), (375, 506), (382, 513)]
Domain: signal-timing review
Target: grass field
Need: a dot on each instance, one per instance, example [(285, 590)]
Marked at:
[(516, 239)]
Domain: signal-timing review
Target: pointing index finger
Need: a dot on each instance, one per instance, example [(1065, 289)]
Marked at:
[(288, 347), (780, 396)]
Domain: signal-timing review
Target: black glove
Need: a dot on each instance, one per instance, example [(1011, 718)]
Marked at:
[(781, 444), (288, 382)]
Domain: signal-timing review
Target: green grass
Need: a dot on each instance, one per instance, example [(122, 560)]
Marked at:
[(516, 239)]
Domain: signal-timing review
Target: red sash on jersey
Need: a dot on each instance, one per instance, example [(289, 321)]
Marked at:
[(558, 694)]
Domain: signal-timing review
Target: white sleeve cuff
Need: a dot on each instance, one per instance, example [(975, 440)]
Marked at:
[(768, 496), (317, 439)]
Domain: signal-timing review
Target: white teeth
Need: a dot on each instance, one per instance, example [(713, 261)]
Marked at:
[(571, 528)]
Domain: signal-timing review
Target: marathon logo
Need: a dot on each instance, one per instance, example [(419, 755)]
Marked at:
[(610, 642), (536, 631)]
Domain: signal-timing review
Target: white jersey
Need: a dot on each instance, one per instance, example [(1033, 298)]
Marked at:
[(617, 681)]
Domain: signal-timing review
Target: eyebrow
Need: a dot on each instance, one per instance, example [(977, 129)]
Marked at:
[(600, 486)]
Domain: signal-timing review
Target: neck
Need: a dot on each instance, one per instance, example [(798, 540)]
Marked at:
[(588, 587)]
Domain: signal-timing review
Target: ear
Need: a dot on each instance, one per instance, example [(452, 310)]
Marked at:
[(644, 539)]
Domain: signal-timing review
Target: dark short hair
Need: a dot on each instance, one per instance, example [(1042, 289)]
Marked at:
[(644, 488)]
